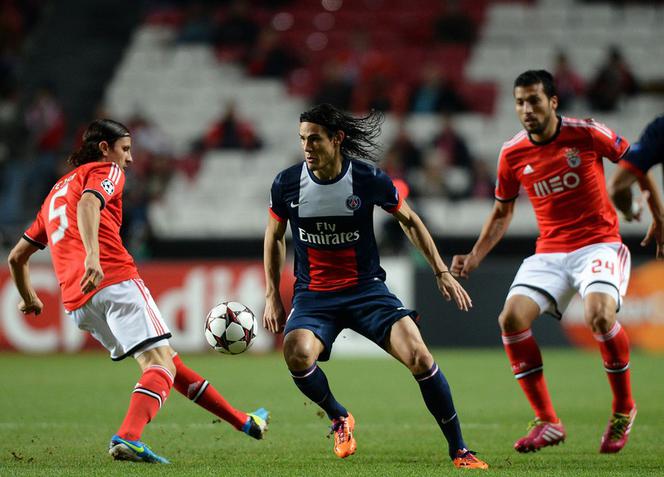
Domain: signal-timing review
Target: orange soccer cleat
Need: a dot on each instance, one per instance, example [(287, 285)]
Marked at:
[(466, 459), (344, 441)]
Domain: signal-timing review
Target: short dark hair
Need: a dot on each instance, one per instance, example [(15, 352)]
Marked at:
[(531, 77), (97, 131), (361, 133)]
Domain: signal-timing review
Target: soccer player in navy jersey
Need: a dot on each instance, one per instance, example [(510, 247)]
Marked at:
[(329, 200), (643, 155)]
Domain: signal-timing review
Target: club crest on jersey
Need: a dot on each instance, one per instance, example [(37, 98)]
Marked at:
[(573, 157), (108, 186), (353, 202)]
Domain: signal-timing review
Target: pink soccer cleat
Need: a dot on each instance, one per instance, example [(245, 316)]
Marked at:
[(541, 434), (617, 431)]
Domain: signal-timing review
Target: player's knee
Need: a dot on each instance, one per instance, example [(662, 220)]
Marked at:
[(299, 353), (419, 360), (510, 321), (600, 319)]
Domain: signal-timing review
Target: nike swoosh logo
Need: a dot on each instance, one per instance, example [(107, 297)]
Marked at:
[(132, 446), (294, 205)]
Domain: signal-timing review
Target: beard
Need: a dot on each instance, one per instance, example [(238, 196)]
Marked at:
[(538, 127)]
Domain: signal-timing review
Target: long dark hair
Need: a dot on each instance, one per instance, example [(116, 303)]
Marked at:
[(361, 133), (99, 130)]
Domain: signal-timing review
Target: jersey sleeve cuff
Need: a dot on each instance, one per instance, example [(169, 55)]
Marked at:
[(98, 195), (39, 245), (500, 199), (275, 216), (625, 164), (396, 208)]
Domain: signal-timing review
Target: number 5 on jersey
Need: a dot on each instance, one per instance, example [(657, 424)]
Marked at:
[(58, 213)]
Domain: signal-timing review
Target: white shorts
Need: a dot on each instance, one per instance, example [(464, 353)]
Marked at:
[(124, 318), (552, 279)]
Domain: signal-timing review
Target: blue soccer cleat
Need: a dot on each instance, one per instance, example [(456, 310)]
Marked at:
[(136, 451), (256, 425)]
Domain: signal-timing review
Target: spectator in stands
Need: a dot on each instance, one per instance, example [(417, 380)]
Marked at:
[(614, 80), (45, 120), (484, 183), (453, 25), (403, 156), (436, 93), (238, 29), (335, 88), (270, 58), (569, 83), (449, 167), (198, 24), (231, 132)]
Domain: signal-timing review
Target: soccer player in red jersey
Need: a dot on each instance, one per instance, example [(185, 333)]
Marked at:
[(103, 293), (558, 162)]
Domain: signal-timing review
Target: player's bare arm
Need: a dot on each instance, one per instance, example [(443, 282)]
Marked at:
[(621, 195), (18, 266), (492, 232), (88, 213), (274, 256), (420, 237)]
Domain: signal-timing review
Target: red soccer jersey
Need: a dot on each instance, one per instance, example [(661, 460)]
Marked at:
[(56, 225), (564, 179)]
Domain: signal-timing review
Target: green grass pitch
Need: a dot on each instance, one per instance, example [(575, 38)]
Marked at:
[(58, 412)]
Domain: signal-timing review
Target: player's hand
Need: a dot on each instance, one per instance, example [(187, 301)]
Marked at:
[(462, 265), (638, 205), (450, 288), (93, 274), (33, 306), (274, 316), (656, 232)]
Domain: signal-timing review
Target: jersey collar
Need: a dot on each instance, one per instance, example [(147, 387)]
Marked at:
[(552, 138), (344, 168)]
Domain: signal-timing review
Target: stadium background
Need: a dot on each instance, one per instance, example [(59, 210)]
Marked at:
[(196, 197)]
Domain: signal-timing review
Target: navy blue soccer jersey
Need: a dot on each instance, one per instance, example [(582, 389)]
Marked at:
[(649, 150), (332, 223)]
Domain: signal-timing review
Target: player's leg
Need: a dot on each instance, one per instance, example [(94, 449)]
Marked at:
[(525, 357), (133, 326), (405, 343), (302, 349), (147, 398), (196, 388), (605, 281)]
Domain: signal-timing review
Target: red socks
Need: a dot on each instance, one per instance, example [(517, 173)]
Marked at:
[(148, 396), (614, 347), (526, 361), (194, 387)]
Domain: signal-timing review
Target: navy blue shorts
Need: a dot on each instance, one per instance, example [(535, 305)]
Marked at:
[(369, 309)]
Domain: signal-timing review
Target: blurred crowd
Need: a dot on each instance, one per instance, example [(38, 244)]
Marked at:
[(420, 72)]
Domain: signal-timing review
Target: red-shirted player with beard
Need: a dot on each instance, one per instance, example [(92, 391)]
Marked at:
[(558, 162), (102, 291)]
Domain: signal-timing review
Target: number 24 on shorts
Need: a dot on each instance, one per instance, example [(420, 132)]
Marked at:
[(598, 265)]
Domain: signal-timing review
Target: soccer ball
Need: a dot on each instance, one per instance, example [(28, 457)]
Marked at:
[(230, 327)]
